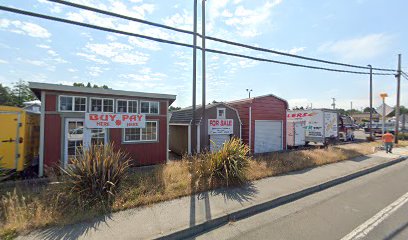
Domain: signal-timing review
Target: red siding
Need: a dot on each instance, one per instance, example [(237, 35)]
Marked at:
[(50, 102), (145, 153), (141, 153), (263, 108), (52, 140)]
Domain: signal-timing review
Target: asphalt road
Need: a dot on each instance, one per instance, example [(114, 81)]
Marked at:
[(371, 207)]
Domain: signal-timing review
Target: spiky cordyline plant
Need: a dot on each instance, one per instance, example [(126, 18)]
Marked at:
[(95, 174), (230, 162)]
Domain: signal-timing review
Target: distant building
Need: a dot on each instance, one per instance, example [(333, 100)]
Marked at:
[(32, 106), (365, 117), (404, 121)]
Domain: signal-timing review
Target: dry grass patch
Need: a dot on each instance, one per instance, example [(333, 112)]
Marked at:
[(402, 143), (280, 163)]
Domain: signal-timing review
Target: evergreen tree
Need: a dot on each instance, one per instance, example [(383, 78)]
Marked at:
[(5, 96)]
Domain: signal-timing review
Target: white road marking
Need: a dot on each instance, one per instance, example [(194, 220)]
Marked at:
[(371, 223)]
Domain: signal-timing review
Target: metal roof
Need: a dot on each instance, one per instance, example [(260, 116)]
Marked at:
[(251, 99), (185, 115), (37, 87)]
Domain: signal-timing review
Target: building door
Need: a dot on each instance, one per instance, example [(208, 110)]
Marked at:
[(268, 136), (78, 137), (217, 140), (9, 139)]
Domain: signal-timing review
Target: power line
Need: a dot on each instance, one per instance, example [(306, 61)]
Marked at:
[(404, 75), (293, 55), (212, 38), (290, 64), (75, 5), (32, 14)]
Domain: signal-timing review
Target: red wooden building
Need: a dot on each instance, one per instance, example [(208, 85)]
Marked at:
[(63, 130), (263, 122)]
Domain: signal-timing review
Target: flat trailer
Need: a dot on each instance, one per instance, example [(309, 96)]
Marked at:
[(319, 126)]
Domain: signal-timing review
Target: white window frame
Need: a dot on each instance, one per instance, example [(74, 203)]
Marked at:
[(102, 99), (137, 105), (127, 105), (73, 103), (158, 107), (224, 115), (140, 129), (117, 105)]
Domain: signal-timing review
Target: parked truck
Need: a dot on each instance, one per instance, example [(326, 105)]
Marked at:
[(312, 125), (19, 139), (346, 128)]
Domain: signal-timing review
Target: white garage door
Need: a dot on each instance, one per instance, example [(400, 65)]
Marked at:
[(268, 136), (217, 140)]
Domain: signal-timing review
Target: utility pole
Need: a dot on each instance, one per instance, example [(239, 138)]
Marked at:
[(203, 65), (249, 92), (371, 102), (334, 103), (193, 121), (397, 110)]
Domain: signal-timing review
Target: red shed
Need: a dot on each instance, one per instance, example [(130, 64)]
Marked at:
[(67, 111), (263, 122)]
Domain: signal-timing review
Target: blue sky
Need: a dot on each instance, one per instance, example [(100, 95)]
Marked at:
[(355, 31)]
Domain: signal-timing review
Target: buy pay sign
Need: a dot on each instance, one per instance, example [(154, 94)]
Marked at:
[(115, 120)]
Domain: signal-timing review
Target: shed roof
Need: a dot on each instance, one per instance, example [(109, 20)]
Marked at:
[(185, 115), (37, 87), (245, 100)]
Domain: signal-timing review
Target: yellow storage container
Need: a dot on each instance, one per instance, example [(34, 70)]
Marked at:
[(19, 138)]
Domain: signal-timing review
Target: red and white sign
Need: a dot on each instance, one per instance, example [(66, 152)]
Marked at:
[(220, 126), (115, 120)]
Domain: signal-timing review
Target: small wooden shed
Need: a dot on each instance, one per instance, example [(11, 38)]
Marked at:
[(221, 123)]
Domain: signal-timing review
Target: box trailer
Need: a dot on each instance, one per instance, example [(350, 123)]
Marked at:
[(312, 125), (295, 133), (19, 138)]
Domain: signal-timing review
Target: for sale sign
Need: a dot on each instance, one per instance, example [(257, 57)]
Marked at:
[(115, 120), (220, 126)]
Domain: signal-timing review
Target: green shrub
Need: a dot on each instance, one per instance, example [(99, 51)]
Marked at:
[(230, 163), (94, 176), (403, 136)]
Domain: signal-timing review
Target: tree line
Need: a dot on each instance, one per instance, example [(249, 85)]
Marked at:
[(16, 95)]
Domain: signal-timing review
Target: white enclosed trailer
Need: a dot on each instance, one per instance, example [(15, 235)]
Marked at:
[(318, 126), (295, 133)]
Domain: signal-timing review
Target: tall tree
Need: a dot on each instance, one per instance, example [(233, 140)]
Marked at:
[(21, 93), (5, 96)]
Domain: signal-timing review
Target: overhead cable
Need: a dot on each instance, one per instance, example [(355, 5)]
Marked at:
[(75, 5), (32, 14)]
